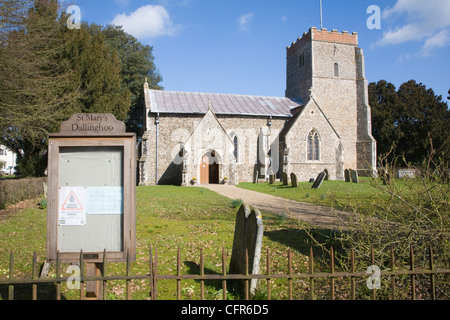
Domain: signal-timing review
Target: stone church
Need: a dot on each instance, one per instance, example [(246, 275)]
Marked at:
[(323, 122)]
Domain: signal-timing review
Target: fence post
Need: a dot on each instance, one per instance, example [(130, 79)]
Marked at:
[(393, 276), (154, 267), (372, 256), (224, 273), (128, 274), (432, 283), (268, 274), (179, 274), (82, 285), (104, 272), (311, 271), (202, 273), (413, 277), (332, 272), (11, 275), (352, 278), (246, 288), (34, 286), (290, 273)]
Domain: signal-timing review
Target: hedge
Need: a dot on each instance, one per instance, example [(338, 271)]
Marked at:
[(16, 190)]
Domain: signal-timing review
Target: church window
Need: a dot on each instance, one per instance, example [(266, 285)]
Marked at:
[(336, 70), (236, 148), (313, 146)]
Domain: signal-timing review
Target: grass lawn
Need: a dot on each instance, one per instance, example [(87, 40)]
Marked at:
[(336, 194), (168, 218)]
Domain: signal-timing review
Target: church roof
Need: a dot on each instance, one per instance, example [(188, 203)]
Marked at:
[(160, 101)]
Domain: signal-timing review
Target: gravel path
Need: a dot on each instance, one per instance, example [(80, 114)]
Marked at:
[(311, 214)]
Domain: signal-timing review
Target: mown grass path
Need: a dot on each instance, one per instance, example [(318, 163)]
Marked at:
[(311, 214)]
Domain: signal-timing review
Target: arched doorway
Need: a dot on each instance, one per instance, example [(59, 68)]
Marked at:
[(209, 168)]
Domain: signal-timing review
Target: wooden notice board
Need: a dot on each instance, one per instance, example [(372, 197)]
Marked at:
[(91, 190)]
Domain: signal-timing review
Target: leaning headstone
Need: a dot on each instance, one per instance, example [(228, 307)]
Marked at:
[(248, 235), (255, 177), (285, 179), (319, 180), (272, 179), (327, 175), (354, 175), (294, 180), (347, 175)]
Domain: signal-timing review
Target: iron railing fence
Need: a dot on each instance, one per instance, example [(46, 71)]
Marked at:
[(153, 277)]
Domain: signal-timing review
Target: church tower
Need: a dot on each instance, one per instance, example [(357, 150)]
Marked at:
[(327, 68)]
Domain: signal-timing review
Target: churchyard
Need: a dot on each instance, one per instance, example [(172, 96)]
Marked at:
[(191, 219)]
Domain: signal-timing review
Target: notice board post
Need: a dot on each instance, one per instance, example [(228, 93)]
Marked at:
[(91, 207)]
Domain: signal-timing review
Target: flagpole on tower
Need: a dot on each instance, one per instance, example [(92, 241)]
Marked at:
[(321, 15)]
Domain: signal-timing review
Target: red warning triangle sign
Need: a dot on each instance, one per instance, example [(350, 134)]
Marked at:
[(72, 202)]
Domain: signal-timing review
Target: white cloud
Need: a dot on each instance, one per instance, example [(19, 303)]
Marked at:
[(149, 21), (245, 20), (425, 21), (439, 40), (122, 2)]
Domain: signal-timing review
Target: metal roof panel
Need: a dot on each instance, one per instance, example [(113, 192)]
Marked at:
[(195, 102)]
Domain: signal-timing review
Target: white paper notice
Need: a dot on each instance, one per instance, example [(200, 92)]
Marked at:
[(104, 200), (72, 206)]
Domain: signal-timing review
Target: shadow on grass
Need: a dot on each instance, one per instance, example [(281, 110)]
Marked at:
[(45, 291), (302, 241), (215, 285)]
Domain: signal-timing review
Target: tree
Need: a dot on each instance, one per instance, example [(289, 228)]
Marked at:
[(409, 120), (424, 120), (35, 89), (96, 73), (137, 65), (11, 16), (385, 104), (47, 73)]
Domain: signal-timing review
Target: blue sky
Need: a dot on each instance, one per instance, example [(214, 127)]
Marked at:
[(239, 46)]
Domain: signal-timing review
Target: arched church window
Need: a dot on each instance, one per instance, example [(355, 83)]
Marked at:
[(336, 70), (313, 146), (236, 148)]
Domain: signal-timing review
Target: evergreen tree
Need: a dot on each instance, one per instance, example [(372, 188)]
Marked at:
[(96, 73), (35, 89), (137, 65), (385, 104), (47, 73), (410, 122)]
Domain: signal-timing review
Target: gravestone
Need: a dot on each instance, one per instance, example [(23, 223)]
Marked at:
[(318, 182), (354, 175), (255, 177), (285, 179), (406, 173), (248, 235), (327, 175), (294, 180), (272, 178), (347, 175)]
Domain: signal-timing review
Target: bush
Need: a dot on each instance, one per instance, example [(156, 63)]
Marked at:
[(237, 203), (413, 214), (16, 190)]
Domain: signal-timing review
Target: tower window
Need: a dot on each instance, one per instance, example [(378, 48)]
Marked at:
[(301, 60), (313, 146), (336, 70)]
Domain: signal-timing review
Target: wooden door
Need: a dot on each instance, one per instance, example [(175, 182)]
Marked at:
[(204, 170)]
